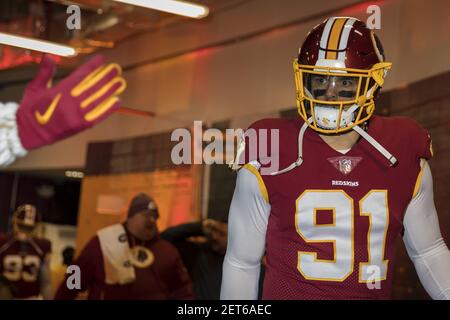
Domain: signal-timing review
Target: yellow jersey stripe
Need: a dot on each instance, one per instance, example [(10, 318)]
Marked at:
[(262, 186), (419, 177)]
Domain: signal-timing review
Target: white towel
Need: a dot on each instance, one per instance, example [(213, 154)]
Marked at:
[(116, 255)]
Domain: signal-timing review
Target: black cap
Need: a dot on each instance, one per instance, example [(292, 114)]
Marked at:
[(143, 203)]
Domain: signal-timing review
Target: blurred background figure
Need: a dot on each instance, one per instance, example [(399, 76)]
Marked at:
[(130, 261), (68, 254), (59, 273), (25, 258), (202, 246)]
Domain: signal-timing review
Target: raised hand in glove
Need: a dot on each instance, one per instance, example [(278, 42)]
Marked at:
[(81, 100), (48, 114)]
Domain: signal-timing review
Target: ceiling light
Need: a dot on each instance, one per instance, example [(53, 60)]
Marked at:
[(74, 174), (172, 6), (37, 45)]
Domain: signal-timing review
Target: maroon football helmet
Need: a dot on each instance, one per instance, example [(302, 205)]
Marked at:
[(25, 220), (338, 73)]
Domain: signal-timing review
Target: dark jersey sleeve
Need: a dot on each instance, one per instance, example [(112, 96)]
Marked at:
[(272, 143), (424, 145), (419, 139), (258, 140), (183, 231)]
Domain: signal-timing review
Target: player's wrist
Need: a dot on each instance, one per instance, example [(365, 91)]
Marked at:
[(13, 147)]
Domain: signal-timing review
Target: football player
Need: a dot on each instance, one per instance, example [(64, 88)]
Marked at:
[(350, 183), (25, 258)]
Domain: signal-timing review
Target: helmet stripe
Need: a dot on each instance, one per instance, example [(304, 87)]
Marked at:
[(344, 38), (324, 38), (335, 35), (375, 47)]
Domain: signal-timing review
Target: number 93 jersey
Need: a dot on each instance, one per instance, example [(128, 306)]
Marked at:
[(334, 219), (21, 263)]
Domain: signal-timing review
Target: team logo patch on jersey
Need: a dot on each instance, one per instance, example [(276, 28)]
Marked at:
[(142, 257), (345, 164)]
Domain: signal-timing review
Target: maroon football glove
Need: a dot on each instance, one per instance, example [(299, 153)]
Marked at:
[(86, 97)]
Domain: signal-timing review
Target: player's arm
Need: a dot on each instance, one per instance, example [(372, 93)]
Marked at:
[(10, 146), (424, 241), (45, 279), (182, 232), (247, 224)]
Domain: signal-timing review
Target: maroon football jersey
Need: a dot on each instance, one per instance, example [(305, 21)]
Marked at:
[(334, 220), (21, 262)]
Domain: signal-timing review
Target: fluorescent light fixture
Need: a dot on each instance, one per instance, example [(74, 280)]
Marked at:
[(74, 174), (37, 45), (172, 6)]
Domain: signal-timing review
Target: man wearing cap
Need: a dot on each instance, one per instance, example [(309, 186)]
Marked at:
[(130, 261)]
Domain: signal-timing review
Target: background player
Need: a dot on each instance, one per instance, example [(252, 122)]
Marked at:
[(25, 258)]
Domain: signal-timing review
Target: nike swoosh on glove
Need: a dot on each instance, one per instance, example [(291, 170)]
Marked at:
[(81, 100)]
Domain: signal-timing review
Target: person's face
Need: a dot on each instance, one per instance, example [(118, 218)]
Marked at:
[(143, 225), (334, 88)]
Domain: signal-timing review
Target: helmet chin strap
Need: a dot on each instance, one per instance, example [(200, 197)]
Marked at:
[(392, 160), (376, 145), (299, 160)]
